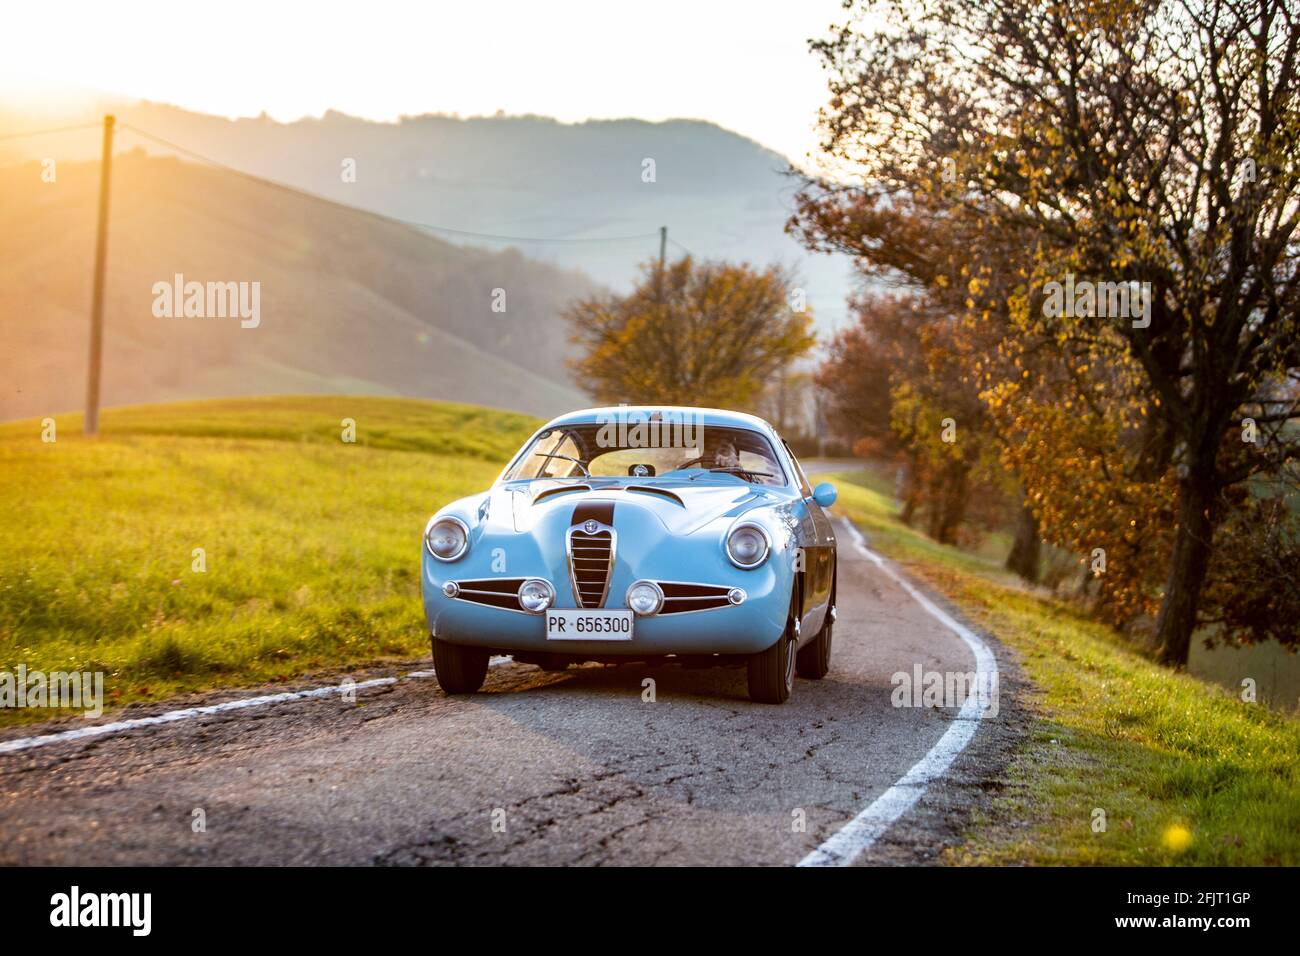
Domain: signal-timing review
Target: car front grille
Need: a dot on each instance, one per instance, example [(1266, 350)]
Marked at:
[(591, 560), (680, 597)]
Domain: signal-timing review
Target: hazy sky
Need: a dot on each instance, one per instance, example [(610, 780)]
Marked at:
[(743, 64)]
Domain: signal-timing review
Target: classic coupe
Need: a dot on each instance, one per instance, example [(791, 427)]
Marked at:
[(638, 534)]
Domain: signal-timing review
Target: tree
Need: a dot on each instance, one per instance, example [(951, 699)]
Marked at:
[(709, 333), (863, 364), (893, 389), (1152, 145)]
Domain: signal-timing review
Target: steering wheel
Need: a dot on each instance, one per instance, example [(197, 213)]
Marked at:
[(693, 461)]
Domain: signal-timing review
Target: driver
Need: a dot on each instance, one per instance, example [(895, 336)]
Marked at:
[(717, 455), (725, 456)]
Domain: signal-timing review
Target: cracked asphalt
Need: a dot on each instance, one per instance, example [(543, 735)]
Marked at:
[(557, 769)]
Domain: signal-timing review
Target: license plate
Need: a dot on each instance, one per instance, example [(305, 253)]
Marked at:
[(597, 625)]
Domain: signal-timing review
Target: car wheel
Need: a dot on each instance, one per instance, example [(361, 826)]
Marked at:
[(459, 669), (814, 659), (771, 672)]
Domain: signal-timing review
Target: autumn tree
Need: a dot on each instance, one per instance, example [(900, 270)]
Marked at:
[(706, 333), (863, 363), (892, 387), (1150, 145)]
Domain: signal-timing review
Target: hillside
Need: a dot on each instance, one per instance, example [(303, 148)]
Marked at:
[(721, 194), (324, 575), (349, 303)]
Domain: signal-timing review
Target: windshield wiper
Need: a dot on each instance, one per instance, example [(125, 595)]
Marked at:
[(576, 461), (737, 472)]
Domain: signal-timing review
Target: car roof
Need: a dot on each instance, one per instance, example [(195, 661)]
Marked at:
[(704, 416)]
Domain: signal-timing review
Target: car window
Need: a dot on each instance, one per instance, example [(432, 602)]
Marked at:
[(538, 464), (603, 452), (804, 486)]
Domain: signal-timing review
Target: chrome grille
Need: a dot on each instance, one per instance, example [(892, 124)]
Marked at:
[(591, 562), (494, 592), (680, 597)]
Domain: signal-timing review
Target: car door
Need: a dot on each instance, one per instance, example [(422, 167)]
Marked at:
[(819, 562)]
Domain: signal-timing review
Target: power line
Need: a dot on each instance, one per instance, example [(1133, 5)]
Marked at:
[(368, 212), (47, 132), (640, 237), (681, 247)]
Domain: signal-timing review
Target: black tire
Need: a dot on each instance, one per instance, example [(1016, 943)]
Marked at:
[(459, 669), (771, 672), (814, 658)]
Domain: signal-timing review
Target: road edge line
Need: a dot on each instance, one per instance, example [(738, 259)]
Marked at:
[(860, 833), (188, 713)]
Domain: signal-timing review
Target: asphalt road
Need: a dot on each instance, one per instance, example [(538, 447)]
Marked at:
[(568, 768)]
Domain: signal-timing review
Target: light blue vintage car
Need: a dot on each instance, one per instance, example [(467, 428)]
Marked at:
[(638, 533)]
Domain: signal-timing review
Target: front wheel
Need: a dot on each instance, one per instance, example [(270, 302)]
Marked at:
[(771, 672), (814, 658), (459, 669)]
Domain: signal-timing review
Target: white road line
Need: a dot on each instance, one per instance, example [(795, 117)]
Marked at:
[(171, 716), (863, 830)]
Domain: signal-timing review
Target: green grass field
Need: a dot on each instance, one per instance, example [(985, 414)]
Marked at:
[(1184, 771), (311, 544)]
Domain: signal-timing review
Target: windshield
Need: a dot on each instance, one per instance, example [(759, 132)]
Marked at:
[(579, 451)]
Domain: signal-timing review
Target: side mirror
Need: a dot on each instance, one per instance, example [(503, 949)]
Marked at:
[(825, 494)]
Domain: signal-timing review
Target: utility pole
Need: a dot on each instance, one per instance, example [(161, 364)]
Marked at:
[(97, 296), (659, 273)]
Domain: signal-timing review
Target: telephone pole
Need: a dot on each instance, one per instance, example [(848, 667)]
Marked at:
[(659, 273), (97, 296)]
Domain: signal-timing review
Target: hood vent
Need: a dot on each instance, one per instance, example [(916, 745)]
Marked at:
[(563, 490), (636, 489), (651, 490)]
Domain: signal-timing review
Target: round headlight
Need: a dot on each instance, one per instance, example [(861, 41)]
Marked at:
[(747, 546), (645, 598), (536, 595), (447, 539)]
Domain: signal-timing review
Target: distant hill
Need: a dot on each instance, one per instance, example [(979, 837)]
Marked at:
[(721, 195), (349, 303)]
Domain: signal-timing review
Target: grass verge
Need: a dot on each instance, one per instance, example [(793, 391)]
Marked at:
[(310, 545), (1178, 770)]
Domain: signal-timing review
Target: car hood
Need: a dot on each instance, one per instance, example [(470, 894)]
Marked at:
[(680, 506)]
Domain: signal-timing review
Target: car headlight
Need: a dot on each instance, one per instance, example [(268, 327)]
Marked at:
[(447, 539), (645, 598), (536, 595), (747, 546)]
